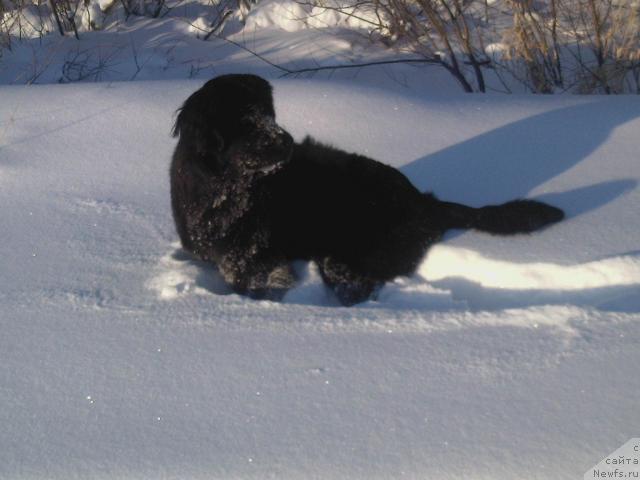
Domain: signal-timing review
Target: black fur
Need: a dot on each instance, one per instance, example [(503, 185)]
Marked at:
[(249, 199)]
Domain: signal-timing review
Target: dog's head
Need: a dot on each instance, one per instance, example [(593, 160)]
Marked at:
[(231, 121)]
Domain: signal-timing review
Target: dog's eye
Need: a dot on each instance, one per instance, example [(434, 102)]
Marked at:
[(252, 122), (258, 111)]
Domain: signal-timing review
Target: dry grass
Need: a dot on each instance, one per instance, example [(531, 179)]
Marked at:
[(582, 45)]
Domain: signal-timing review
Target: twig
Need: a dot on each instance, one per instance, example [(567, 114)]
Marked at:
[(288, 71), (218, 27), (54, 7), (126, 9), (256, 54), (429, 61)]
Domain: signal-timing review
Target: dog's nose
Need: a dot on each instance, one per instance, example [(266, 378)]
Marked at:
[(284, 138), (270, 126), (274, 131)]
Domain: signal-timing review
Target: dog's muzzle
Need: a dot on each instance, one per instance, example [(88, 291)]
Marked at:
[(267, 148)]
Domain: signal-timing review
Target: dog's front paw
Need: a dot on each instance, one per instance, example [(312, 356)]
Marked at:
[(262, 283), (352, 293), (271, 294)]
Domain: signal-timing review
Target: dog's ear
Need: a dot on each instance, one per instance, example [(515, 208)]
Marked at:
[(195, 125)]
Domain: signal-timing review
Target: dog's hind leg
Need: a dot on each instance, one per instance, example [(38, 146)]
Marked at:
[(349, 286)]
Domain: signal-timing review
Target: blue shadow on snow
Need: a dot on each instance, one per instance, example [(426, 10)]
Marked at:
[(510, 161)]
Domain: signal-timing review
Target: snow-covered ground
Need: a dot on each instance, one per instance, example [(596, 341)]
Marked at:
[(503, 358)]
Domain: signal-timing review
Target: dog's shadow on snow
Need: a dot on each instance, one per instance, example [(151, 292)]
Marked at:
[(510, 161)]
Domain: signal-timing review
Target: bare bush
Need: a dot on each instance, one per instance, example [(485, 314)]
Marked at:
[(88, 64), (584, 45), (443, 32), (609, 31), (534, 45), (23, 19), (446, 30)]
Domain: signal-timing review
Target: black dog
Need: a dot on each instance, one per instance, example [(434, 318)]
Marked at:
[(249, 199)]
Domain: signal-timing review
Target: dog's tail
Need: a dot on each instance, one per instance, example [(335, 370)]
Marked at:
[(517, 216)]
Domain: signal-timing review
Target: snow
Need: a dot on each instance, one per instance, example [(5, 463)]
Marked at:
[(502, 358), (288, 15), (354, 16)]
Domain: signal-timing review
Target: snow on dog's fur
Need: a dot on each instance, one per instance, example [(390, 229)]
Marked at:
[(249, 199)]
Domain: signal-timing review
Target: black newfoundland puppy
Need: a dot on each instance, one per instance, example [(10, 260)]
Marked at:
[(250, 200)]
